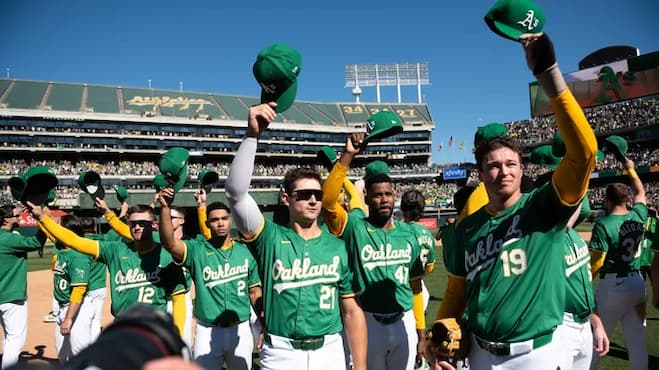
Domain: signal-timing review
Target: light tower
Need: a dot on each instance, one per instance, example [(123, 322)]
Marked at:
[(404, 74)]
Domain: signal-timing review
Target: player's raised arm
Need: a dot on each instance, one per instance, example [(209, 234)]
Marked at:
[(115, 222), (200, 197), (333, 213), (638, 189), (247, 215), (572, 175), (175, 247)]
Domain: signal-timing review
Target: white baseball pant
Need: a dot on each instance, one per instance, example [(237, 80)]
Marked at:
[(617, 299), (279, 354), (576, 342), (214, 345), (392, 346), (80, 337), (13, 318)]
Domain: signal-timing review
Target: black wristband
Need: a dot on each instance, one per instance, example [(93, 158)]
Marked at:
[(543, 51)]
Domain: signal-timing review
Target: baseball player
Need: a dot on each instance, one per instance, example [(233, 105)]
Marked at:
[(178, 220), (307, 292), (141, 271), (71, 274), (654, 270), (509, 252), (386, 256), (226, 281), (615, 248), (412, 203), (13, 282)]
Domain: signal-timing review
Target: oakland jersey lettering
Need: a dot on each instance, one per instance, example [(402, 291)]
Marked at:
[(287, 278)]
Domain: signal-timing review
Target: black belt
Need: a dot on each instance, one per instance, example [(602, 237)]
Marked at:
[(503, 349), (308, 344), (619, 274), (388, 319)]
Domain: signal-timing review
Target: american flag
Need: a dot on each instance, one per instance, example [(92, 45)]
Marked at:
[(450, 141)]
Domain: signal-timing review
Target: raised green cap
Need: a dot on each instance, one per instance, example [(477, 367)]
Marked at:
[(276, 69), (174, 167), (512, 18), (617, 145), (376, 168), (17, 186), (39, 180), (207, 178), (90, 183), (489, 132), (121, 193), (382, 125), (159, 182), (326, 156), (543, 156), (52, 195)]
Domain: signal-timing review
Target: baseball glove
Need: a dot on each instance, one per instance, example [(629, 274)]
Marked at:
[(447, 340)]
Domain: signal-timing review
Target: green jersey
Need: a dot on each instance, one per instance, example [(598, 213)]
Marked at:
[(148, 278), (513, 265), (97, 270), (386, 261), (13, 259), (579, 289), (302, 281), (222, 279), (426, 242), (71, 269), (619, 236)]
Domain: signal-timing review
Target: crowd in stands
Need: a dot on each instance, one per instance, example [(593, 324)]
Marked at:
[(603, 119)]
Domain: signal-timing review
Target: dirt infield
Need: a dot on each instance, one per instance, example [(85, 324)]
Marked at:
[(40, 343)]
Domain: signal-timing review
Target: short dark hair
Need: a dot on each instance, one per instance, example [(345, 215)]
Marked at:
[(376, 179), (497, 143), (216, 205), (618, 193), (141, 208), (72, 222), (6, 212), (412, 203), (299, 173)]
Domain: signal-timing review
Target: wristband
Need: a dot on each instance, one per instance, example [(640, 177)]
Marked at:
[(632, 173)]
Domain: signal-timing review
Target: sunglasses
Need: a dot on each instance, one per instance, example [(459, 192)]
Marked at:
[(305, 194), (141, 223)]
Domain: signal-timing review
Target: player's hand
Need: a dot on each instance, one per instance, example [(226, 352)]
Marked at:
[(35, 210), (101, 205), (443, 365), (628, 163), (259, 342), (600, 339), (421, 343), (65, 326), (259, 118), (166, 197), (539, 52), (124, 209), (170, 363), (200, 197)]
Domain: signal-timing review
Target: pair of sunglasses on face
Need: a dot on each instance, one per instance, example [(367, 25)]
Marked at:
[(140, 223), (305, 194)]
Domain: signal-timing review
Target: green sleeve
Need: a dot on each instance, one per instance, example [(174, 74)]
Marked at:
[(598, 239)]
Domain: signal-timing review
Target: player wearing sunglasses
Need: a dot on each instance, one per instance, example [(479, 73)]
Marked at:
[(308, 297)]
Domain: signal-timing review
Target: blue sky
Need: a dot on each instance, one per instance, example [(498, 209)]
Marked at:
[(477, 77)]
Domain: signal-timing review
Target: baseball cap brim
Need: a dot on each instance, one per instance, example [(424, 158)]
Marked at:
[(503, 29), (178, 182), (383, 133), (16, 187), (284, 101)]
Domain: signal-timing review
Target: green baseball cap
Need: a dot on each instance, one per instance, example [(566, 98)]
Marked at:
[(159, 182), (174, 167), (326, 156), (121, 193), (52, 195), (617, 145), (207, 178), (600, 155), (276, 69), (489, 132), (543, 156), (376, 168), (382, 125), (512, 18), (39, 180), (17, 186), (90, 183), (558, 146)]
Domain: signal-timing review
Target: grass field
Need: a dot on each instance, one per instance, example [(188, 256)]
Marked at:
[(436, 282)]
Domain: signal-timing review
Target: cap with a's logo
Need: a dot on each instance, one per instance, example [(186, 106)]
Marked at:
[(513, 18), (382, 125), (276, 70)]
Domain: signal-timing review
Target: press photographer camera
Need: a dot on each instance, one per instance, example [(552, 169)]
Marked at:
[(137, 336)]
